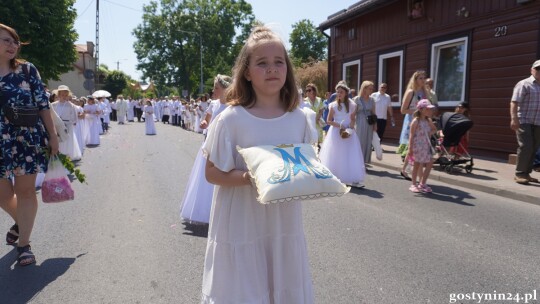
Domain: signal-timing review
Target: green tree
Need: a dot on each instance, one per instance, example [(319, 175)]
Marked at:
[(307, 43), (49, 28), (172, 32), (315, 72), (115, 83)]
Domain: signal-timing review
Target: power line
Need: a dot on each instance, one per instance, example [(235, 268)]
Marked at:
[(133, 9), (80, 15)]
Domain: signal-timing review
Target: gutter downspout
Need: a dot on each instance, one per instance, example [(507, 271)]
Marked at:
[(329, 81)]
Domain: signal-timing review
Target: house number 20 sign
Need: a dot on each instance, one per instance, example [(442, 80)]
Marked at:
[(501, 31)]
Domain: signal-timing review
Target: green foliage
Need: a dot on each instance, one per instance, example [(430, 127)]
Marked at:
[(115, 83), (313, 72), (170, 36), (307, 43), (49, 28), (68, 164), (150, 94)]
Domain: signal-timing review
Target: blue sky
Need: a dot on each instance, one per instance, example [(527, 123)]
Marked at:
[(118, 18)]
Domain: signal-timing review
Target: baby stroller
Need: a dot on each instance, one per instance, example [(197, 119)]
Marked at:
[(453, 126)]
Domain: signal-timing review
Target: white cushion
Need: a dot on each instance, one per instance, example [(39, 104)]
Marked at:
[(289, 172)]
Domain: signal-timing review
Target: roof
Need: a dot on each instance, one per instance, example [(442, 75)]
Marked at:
[(81, 48), (360, 8)]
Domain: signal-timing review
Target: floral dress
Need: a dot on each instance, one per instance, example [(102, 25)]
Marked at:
[(22, 149), (420, 142)]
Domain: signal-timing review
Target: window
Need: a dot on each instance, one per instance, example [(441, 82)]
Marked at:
[(352, 33), (391, 73), (449, 70), (351, 74), (416, 9)]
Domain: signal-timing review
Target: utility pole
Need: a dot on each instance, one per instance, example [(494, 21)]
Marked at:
[(118, 63), (97, 46)]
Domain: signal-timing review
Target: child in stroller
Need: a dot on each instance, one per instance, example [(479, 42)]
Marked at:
[(453, 140)]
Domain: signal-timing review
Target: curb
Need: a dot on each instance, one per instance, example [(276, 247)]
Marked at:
[(452, 180)]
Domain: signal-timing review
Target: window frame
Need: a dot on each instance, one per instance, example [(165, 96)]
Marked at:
[(344, 72), (384, 56), (435, 55)]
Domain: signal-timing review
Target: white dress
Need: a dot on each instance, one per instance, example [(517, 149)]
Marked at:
[(68, 113), (130, 110), (149, 120), (79, 129), (255, 253), (93, 122), (197, 200), (343, 156)]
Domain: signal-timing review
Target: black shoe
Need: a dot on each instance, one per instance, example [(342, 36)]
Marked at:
[(405, 175)]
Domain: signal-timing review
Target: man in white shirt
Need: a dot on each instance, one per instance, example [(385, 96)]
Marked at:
[(121, 109), (383, 108)]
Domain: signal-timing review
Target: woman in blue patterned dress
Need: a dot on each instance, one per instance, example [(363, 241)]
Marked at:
[(22, 149)]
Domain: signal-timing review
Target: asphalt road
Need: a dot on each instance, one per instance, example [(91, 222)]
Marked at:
[(121, 240)]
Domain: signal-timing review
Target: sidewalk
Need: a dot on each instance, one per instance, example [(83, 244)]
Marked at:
[(490, 176)]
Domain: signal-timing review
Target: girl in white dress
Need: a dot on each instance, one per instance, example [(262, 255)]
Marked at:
[(131, 110), (68, 113), (256, 253), (343, 156), (79, 127), (148, 112), (196, 124), (197, 201), (92, 113)]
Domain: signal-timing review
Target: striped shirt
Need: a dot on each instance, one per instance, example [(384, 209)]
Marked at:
[(527, 96)]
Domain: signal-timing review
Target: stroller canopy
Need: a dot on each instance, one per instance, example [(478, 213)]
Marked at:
[(454, 126)]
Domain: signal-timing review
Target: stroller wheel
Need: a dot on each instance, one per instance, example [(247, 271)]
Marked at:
[(449, 168), (468, 168)]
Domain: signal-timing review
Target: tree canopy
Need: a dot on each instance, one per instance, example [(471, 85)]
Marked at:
[(172, 32), (115, 82), (48, 26), (307, 43)]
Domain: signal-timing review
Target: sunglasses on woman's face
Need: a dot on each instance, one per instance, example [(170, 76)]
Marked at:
[(309, 90)]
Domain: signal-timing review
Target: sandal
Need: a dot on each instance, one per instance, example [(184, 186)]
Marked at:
[(425, 188), (13, 235), (414, 189), (26, 256)]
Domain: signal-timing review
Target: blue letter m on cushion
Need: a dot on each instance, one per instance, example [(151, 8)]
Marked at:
[(293, 165)]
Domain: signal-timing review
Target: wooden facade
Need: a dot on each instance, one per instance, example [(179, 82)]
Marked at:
[(486, 45)]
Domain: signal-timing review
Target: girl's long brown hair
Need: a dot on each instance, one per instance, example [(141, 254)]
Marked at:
[(241, 92)]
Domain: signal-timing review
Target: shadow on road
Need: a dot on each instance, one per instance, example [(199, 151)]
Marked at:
[(20, 284), (458, 171), (451, 195), (196, 230)]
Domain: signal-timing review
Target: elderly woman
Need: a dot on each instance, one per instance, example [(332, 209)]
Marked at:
[(365, 107)]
